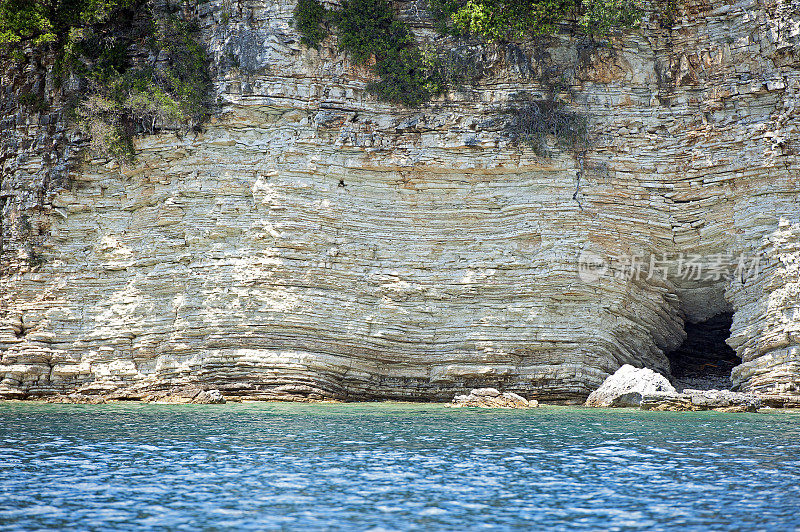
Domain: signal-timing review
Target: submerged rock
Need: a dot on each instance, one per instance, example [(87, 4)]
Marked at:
[(493, 398), (627, 386)]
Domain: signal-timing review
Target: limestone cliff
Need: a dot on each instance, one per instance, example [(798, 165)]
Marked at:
[(313, 241)]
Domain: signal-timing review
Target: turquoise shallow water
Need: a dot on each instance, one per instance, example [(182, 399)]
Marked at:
[(393, 467)]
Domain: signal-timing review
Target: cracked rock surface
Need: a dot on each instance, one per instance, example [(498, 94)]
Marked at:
[(492, 398), (627, 386)]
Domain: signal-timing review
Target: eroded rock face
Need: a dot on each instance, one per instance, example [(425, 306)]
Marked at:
[(492, 398), (313, 242), (695, 400), (186, 395), (627, 386)]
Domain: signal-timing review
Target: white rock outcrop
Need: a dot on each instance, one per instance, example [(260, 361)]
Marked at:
[(627, 386)]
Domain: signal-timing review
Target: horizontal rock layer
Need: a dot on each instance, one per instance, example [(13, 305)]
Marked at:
[(699, 400), (316, 242)]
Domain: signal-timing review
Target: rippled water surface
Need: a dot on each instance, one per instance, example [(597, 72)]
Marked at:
[(393, 467)]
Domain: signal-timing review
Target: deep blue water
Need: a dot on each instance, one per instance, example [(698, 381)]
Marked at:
[(277, 466)]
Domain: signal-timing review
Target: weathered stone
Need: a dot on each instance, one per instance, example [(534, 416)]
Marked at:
[(492, 398), (627, 386), (76, 398), (780, 401), (695, 400), (209, 397), (485, 392), (185, 395)]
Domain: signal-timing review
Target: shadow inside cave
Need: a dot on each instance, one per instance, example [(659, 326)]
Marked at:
[(704, 361)]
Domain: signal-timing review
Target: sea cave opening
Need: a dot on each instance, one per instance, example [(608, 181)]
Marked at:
[(704, 361)]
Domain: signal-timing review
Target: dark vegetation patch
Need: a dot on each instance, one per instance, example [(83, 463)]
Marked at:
[(125, 67), (514, 20), (534, 122), (369, 31)]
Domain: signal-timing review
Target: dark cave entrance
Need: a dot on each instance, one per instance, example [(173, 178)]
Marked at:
[(704, 361)]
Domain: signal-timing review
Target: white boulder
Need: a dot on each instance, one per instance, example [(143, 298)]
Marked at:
[(626, 387)]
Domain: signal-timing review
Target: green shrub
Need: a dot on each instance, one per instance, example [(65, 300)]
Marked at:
[(22, 20), (509, 20), (368, 27), (368, 30), (442, 13), (128, 98), (667, 12), (312, 20), (600, 17), (40, 21), (93, 40), (33, 101), (505, 20), (406, 78)]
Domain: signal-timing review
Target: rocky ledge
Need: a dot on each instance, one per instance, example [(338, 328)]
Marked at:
[(76, 398), (492, 398), (648, 390), (189, 394), (693, 400), (180, 395)]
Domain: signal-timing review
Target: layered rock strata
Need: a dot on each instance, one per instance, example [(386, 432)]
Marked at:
[(315, 242), (699, 400)]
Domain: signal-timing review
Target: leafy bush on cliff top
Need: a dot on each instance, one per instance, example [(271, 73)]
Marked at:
[(41, 21), (498, 20), (311, 19), (370, 33), (509, 20), (97, 42)]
